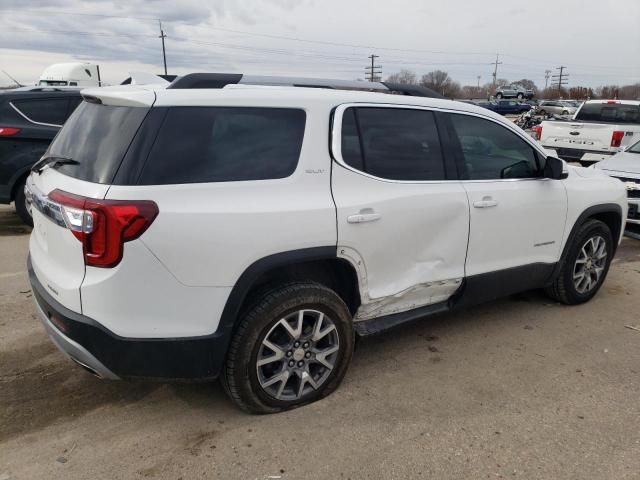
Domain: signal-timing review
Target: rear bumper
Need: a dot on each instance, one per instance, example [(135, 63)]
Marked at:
[(110, 356)]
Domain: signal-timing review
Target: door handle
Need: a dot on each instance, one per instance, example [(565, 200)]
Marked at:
[(365, 215), (486, 202)]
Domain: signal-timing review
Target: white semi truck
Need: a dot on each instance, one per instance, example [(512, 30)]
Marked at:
[(71, 75)]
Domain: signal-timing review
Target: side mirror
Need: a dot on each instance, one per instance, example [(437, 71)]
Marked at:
[(554, 169)]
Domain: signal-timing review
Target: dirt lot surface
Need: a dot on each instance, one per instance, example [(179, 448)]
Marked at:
[(520, 388)]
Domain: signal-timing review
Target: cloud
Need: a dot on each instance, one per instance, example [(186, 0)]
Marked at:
[(460, 36)]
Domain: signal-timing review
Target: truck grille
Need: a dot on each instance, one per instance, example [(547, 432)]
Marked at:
[(631, 192)]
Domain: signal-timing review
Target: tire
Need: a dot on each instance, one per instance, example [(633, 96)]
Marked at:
[(499, 95), (520, 96), (249, 385), (565, 112), (542, 112), (565, 287), (20, 202)]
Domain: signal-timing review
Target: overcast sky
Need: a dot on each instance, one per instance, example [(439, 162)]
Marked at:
[(598, 40)]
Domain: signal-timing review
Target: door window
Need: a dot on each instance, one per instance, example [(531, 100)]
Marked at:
[(491, 151), (44, 110), (392, 143)]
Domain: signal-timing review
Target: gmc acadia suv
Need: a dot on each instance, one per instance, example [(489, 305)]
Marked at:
[(251, 233)]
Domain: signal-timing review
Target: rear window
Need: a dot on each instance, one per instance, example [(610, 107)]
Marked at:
[(97, 136), (224, 144), (44, 110), (392, 143), (609, 113)]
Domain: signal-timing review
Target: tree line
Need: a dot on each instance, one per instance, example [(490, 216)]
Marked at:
[(441, 82)]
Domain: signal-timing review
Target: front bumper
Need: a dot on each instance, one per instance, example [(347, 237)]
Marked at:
[(108, 355)]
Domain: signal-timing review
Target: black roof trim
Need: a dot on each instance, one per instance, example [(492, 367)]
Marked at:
[(206, 80), (412, 90)]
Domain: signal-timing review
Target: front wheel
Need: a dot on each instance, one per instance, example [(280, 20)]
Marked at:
[(585, 265), (498, 96), (291, 348)]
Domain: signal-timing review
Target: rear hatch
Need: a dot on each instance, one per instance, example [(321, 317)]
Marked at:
[(582, 136), (79, 165)]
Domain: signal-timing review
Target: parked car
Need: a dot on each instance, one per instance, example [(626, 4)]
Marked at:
[(600, 128), (265, 250), (506, 107), (557, 107), (625, 166), (29, 118), (514, 91)]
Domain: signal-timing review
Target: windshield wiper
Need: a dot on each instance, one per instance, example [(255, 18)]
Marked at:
[(51, 161)]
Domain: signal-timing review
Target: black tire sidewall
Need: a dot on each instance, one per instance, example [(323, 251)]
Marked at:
[(306, 297), (588, 230), (20, 202)]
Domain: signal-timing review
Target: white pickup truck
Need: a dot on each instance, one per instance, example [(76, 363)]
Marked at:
[(599, 129)]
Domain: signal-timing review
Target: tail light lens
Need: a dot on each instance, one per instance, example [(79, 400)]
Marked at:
[(537, 132), (103, 226), (616, 138), (9, 131)]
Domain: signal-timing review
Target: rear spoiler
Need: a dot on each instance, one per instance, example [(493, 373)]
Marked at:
[(118, 96)]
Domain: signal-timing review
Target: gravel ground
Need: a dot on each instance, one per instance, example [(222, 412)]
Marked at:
[(519, 388)]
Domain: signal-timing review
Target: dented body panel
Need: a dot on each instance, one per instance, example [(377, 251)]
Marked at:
[(413, 253)]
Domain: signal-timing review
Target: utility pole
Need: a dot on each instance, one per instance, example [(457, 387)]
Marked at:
[(546, 78), (495, 71), (560, 79), (478, 77), (164, 54), (374, 70)]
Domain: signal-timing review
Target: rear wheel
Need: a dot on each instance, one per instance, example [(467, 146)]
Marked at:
[(585, 265), (292, 347), (20, 202)]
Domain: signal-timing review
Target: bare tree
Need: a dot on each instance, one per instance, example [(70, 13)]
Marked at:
[(403, 76), (441, 82)]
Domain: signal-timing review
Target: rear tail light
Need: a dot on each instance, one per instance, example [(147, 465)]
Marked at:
[(537, 132), (103, 226), (9, 131), (616, 138)]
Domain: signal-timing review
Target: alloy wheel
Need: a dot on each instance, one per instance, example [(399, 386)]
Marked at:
[(590, 264), (297, 355)]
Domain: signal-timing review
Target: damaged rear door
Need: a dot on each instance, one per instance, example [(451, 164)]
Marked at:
[(403, 218)]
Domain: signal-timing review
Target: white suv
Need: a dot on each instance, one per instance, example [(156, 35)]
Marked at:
[(252, 233)]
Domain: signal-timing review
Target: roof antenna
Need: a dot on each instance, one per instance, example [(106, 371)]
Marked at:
[(14, 80)]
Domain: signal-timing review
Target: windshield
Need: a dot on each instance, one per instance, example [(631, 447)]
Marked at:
[(97, 137), (609, 113)]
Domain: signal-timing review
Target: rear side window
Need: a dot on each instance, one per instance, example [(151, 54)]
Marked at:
[(44, 110), (392, 143), (224, 144), (96, 136), (492, 151), (609, 113)]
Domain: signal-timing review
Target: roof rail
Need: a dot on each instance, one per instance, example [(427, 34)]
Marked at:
[(220, 80)]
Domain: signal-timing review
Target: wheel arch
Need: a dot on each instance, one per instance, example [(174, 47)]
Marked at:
[(319, 264), (16, 180), (608, 213)]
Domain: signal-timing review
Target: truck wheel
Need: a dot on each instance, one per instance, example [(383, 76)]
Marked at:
[(585, 265), (292, 347), (20, 203)]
